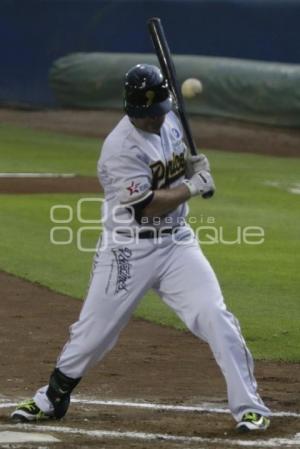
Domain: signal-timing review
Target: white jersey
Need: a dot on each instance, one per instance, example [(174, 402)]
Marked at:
[(133, 164)]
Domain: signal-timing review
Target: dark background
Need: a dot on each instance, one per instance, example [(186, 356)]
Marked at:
[(33, 33)]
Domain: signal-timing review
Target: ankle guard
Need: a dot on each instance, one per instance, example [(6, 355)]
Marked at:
[(59, 392)]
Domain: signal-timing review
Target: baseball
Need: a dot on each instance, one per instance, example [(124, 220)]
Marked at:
[(191, 87)]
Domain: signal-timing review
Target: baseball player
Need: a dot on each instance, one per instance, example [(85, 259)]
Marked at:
[(148, 177)]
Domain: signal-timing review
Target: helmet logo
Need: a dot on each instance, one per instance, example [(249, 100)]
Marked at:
[(175, 133), (150, 95)]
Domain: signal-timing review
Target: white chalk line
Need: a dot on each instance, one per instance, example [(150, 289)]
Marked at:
[(168, 407), (293, 188), (8, 404), (162, 407), (151, 406), (271, 442), (37, 175)]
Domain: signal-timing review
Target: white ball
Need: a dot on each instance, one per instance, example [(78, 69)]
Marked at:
[(191, 87)]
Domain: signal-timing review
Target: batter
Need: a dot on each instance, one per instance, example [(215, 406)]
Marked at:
[(148, 177)]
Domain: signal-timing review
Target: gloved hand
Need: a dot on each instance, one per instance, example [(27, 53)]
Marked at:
[(201, 183), (196, 163)]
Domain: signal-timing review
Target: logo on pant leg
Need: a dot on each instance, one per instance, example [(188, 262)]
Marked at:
[(122, 256)]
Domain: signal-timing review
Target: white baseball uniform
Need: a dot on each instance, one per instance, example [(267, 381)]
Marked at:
[(131, 259)]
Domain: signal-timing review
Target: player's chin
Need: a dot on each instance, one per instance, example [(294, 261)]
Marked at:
[(157, 122)]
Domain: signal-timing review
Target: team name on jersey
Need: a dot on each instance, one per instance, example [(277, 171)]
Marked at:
[(164, 174)]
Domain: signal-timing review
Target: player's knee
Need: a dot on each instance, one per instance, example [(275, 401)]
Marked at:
[(205, 318)]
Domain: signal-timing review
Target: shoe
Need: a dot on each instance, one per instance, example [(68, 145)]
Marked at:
[(28, 411), (253, 421)]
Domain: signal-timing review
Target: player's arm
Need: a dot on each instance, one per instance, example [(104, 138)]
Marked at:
[(132, 177), (166, 200)]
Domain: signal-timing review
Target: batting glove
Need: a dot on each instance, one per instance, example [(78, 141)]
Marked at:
[(196, 163), (201, 183)]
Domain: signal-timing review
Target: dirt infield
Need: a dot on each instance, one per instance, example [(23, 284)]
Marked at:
[(150, 364)]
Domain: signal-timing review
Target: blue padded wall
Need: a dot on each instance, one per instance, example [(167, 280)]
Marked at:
[(33, 33)]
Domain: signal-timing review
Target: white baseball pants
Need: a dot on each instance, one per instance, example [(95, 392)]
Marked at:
[(177, 269)]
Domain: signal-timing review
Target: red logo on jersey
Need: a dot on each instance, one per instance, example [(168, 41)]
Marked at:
[(133, 188)]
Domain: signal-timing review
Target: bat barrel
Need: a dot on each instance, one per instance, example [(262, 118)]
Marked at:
[(168, 69)]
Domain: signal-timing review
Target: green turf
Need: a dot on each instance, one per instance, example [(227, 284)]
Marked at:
[(260, 282), (26, 150)]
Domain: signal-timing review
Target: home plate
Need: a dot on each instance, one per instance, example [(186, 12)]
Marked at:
[(26, 437)]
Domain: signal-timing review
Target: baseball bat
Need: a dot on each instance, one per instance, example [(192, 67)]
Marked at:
[(168, 69)]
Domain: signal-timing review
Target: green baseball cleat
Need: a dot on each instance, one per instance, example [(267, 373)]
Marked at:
[(253, 421), (28, 411)]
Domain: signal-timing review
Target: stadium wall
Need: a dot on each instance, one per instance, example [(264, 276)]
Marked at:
[(34, 33)]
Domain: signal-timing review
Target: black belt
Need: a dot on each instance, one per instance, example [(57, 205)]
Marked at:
[(154, 233)]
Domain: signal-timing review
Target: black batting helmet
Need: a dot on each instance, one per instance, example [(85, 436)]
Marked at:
[(146, 92)]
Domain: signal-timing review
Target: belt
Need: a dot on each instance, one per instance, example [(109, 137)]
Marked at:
[(154, 233)]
